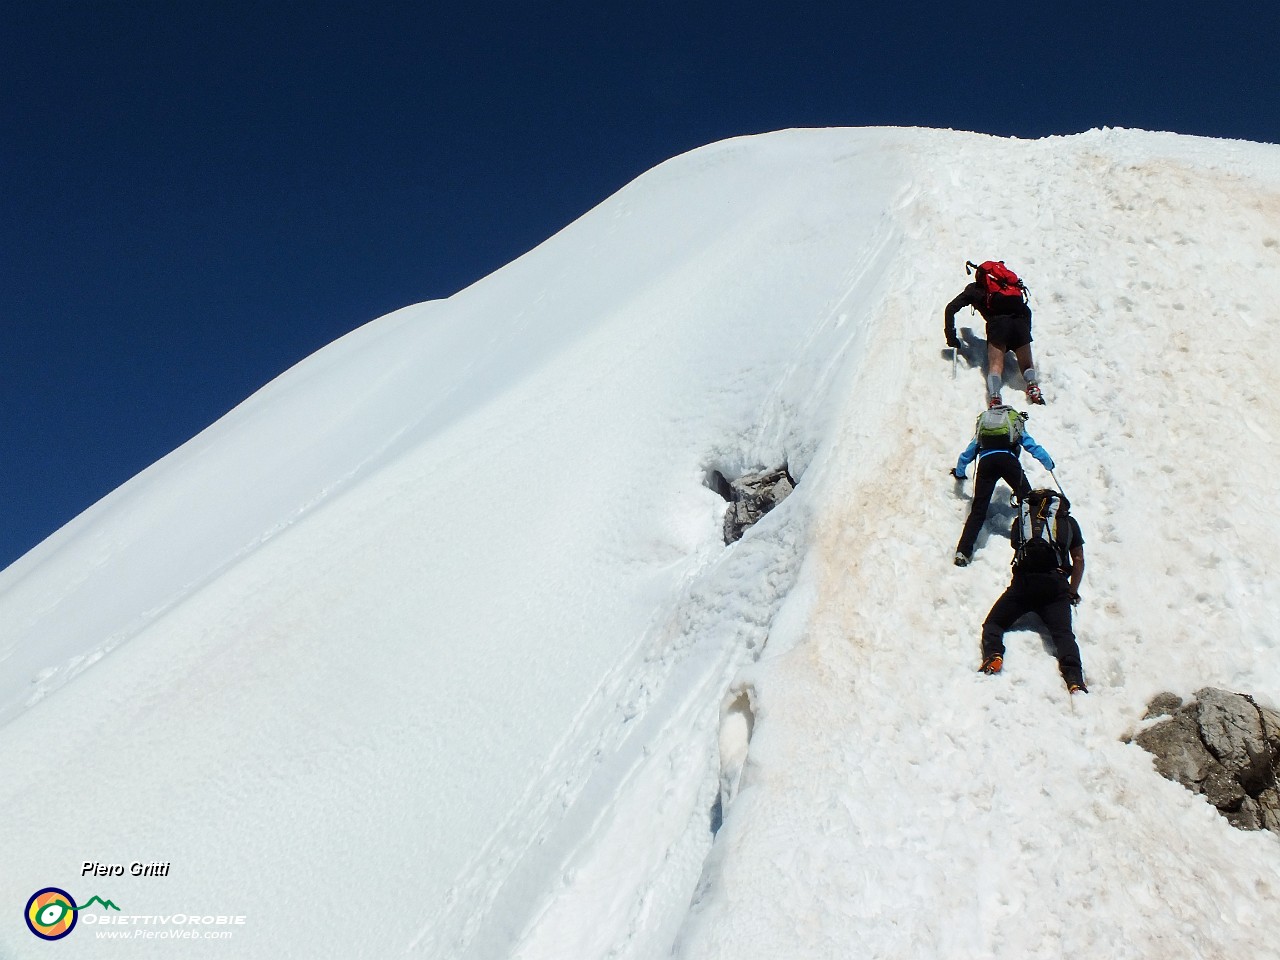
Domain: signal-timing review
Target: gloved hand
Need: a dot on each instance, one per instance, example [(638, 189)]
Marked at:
[(952, 340), (1075, 597), (1051, 465), (958, 474)]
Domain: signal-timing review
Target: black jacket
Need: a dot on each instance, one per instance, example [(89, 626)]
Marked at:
[(974, 296)]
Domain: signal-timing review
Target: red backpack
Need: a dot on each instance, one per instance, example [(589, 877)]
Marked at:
[(997, 280)]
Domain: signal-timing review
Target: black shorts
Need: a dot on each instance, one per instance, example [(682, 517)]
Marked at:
[(1009, 333)]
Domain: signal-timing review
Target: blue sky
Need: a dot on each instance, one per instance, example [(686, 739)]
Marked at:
[(197, 196)]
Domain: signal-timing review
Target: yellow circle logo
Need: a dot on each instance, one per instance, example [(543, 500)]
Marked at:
[(51, 913)]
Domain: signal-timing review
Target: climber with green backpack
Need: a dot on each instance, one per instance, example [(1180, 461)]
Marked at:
[(1000, 435)]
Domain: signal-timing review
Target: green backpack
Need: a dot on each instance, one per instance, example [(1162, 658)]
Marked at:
[(1000, 428)]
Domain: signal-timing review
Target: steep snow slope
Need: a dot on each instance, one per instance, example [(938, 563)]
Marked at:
[(423, 648), (897, 804), (394, 630)]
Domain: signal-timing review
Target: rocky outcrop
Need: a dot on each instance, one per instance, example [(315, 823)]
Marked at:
[(1224, 746), (750, 497)]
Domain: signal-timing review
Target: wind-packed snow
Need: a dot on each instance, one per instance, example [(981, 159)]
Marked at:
[(433, 647)]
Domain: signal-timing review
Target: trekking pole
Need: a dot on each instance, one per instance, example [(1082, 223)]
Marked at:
[(954, 351), (1056, 483)]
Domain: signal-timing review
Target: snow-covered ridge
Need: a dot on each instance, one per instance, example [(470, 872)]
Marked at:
[(441, 619)]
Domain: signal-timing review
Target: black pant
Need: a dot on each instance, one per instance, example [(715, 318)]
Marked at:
[(991, 468), (1009, 333), (1049, 596)]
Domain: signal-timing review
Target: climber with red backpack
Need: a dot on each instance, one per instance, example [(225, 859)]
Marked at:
[(1001, 297)]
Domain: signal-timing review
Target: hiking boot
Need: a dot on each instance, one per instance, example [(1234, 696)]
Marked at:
[(1033, 393), (991, 665), (994, 401), (962, 559), (1077, 687)]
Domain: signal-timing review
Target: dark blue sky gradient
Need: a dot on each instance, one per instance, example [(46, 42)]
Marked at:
[(196, 196)]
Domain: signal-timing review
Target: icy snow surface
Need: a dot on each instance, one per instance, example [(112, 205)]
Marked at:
[(432, 647)]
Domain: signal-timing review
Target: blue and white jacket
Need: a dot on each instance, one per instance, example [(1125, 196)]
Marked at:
[(1028, 443)]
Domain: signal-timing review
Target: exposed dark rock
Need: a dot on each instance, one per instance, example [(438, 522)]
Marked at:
[(1247, 817), (1223, 790), (1269, 802), (1163, 705), (1231, 726), (1180, 754), (1223, 746), (750, 497)]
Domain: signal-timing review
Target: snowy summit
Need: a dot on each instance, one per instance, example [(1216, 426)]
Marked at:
[(433, 647)]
